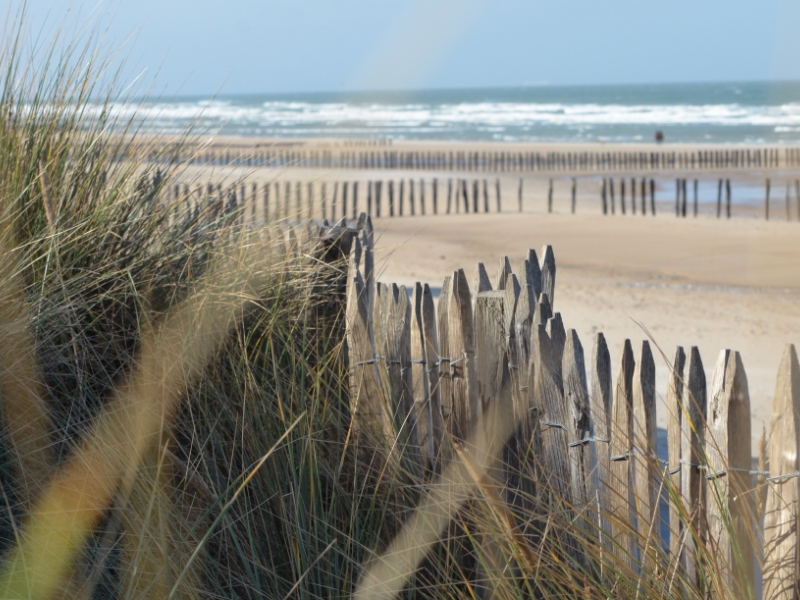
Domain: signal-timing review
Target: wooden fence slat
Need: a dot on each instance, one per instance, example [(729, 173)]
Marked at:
[(542, 311), (555, 488), (729, 484), (558, 336), (646, 467), (548, 269), (576, 395), (462, 357), (503, 272), (370, 417), (601, 407), (780, 517), (692, 459), (432, 369), (481, 280), (491, 361), (619, 504), (445, 378), (675, 447), (534, 274), (419, 381)]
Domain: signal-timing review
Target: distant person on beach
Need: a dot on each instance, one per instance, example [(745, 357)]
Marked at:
[(659, 135)]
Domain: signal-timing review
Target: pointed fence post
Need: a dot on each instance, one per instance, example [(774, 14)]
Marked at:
[(548, 269), (693, 462), (445, 378), (730, 511), (619, 505), (481, 280), (419, 381), (781, 514), (601, 403), (503, 272), (647, 469), (491, 363), (373, 427), (397, 315), (675, 444), (432, 370), (576, 395), (461, 338)]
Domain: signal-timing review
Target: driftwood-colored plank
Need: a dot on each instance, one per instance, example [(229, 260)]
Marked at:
[(371, 420), (462, 357), (445, 377), (646, 466), (601, 407), (675, 448), (780, 517), (620, 511), (481, 281), (543, 311), (730, 510), (491, 360), (431, 340), (419, 381), (576, 395), (693, 461), (398, 363), (503, 272), (548, 268), (558, 337), (534, 273)]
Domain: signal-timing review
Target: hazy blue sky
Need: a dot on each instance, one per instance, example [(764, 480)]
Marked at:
[(251, 46)]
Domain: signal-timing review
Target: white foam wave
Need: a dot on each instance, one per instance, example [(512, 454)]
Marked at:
[(484, 116)]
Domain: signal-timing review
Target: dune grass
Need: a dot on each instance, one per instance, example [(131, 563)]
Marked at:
[(174, 396)]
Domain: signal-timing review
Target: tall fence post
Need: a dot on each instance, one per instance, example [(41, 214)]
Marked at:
[(730, 511), (781, 513), (693, 462)]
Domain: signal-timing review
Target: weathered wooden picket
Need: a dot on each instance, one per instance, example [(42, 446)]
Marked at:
[(422, 379)]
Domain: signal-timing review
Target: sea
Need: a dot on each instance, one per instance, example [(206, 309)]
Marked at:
[(726, 113)]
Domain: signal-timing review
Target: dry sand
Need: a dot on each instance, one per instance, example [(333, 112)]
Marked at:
[(695, 282), (698, 281)]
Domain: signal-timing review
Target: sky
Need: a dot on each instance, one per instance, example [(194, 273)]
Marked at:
[(198, 47)]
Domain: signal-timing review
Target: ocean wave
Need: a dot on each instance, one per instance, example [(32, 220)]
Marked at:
[(487, 120)]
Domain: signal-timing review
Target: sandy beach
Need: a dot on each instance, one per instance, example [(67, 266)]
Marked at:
[(698, 281)]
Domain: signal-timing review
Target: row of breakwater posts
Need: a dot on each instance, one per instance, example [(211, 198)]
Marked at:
[(505, 161), (276, 200), (493, 402)]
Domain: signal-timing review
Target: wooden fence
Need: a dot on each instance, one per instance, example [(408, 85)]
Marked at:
[(503, 161), (583, 445), (280, 200)]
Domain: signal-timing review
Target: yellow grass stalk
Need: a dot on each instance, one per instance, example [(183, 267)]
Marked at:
[(171, 354)]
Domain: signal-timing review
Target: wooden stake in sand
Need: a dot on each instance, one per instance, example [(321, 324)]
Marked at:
[(574, 193), (780, 517)]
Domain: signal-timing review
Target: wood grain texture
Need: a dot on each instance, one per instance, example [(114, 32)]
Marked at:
[(445, 378), (692, 459), (503, 271), (462, 360), (548, 268), (730, 511), (480, 281), (646, 467), (780, 517), (620, 511), (576, 396), (675, 447), (601, 407), (431, 339), (419, 381)]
